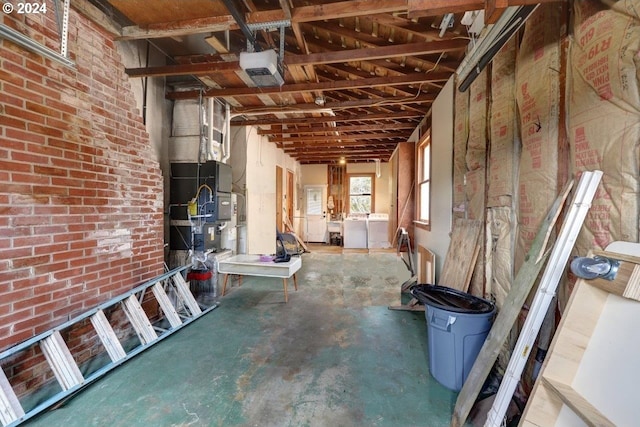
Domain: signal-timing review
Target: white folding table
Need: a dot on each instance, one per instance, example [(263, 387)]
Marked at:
[(251, 265)]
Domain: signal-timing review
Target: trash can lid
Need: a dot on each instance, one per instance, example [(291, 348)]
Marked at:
[(451, 299)]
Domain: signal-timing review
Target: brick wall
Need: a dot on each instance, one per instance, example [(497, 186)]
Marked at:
[(80, 188)]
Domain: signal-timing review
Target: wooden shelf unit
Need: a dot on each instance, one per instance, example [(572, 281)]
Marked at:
[(589, 376)]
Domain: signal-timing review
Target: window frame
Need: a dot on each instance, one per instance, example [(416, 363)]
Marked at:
[(421, 220), (373, 189)]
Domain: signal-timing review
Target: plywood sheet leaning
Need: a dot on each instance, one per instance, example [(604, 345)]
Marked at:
[(461, 255), (538, 98), (604, 116), (503, 324), (589, 376)]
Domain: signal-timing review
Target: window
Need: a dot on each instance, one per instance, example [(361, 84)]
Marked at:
[(424, 180), (361, 190)]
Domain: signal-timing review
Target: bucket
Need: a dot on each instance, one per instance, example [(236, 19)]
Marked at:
[(457, 326)]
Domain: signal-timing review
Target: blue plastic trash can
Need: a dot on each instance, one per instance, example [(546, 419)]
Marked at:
[(457, 326)]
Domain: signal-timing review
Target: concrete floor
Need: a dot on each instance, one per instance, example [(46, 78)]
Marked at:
[(333, 356)]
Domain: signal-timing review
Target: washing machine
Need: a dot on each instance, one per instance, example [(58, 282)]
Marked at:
[(354, 229), (378, 233)]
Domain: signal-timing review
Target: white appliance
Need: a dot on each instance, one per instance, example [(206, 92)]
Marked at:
[(229, 233), (354, 228), (262, 67), (378, 234)]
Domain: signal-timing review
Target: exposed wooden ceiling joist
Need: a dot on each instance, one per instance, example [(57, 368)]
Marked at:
[(414, 78), (326, 130), (383, 52), (335, 118), (359, 75), (349, 137)]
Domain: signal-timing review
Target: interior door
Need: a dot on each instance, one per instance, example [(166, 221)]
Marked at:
[(289, 198), (279, 198), (316, 213)]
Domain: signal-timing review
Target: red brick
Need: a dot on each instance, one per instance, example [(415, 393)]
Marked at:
[(12, 78), (29, 158), (16, 167), (32, 261), (63, 275), (42, 323), (15, 338), (12, 122), (68, 310), (24, 114), (22, 71), (49, 93), (22, 93), (62, 291), (25, 137), (14, 55), (51, 210), (48, 170), (65, 200), (32, 240), (68, 183), (41, 109), (18, 295), (49, 249), (54, 228), (30, 178), (64, 144), (44, 130), (69, 237), (60, 191), (15, 253), (61, 106), (67, 164), (51, 267), (31, 302), (31, 282), (44, 149)]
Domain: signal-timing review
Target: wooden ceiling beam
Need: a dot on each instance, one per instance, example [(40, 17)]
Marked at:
[(346, 9), (324, 130), (350, 137), (333, 158), (413, 78), (393, 51), (329, 150), (341, 118), (419, 8), (330, 106), (198, 69), (227, 22)]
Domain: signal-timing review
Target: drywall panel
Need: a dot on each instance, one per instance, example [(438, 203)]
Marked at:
[(253, 162), (313, 174), (437, 238)]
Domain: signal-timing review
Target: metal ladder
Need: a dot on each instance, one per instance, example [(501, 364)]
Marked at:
[(59, 356)]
